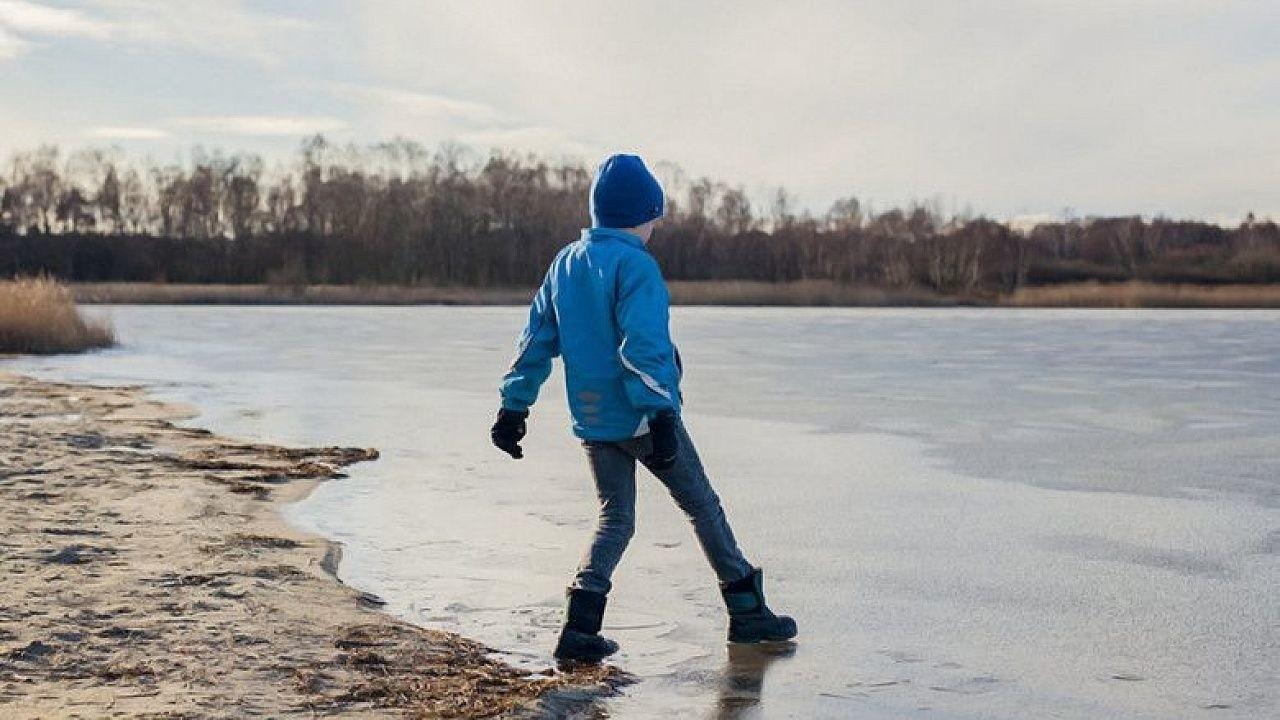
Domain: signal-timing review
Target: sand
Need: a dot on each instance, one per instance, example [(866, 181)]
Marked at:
[(145, 572)]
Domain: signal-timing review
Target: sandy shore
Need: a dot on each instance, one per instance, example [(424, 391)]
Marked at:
[(145, 572)]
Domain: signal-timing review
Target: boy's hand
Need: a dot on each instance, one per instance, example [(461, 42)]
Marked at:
[(508, 431), (666, 441)]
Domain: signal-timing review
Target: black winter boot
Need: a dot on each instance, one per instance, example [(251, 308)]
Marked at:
[(750, 620), (580, 640)]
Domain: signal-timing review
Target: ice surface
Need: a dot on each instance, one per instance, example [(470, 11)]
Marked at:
[(986, 513)]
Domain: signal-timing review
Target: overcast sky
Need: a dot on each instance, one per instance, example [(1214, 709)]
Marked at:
[(1011, 107)]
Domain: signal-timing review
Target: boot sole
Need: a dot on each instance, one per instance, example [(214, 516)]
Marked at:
[(761, 640), (749, 635), (570, 657), (752, 638), (584, 659)]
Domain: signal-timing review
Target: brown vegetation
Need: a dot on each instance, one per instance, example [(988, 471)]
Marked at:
[(38, 315), (1143, 294), (222, 294), (709, 292), (399, 214), (804, 293)]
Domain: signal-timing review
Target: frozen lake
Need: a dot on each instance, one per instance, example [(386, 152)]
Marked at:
[(971, 513)]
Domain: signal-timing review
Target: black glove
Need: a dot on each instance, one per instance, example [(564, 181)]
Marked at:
[(666, 441), (508, 431)]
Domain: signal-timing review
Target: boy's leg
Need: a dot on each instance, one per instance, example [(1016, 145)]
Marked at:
[(689, 487), (614, 471), (741, 585)]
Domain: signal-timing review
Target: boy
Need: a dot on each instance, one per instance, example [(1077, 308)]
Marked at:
[(603, 307)]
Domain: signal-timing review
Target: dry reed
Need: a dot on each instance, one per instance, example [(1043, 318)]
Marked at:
[(804, 293), (702, 292), (39, 315), (1143, 294), (222, 294)]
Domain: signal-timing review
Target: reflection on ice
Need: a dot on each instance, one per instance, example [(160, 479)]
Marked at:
[(742, 681)]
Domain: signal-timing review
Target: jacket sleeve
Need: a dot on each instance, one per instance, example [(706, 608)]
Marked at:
[(648, 359), (538, 344)]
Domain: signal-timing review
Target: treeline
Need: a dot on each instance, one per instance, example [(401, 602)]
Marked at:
[(399, 213)]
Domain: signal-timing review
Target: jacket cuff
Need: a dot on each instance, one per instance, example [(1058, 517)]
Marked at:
[(514, 406)]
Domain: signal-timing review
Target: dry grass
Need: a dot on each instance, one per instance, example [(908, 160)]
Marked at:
[(1144, 294), (803, 293), (190, 294), (38, 315), (711, 292)]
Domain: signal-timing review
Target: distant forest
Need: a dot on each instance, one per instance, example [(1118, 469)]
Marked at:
[(398, 213)]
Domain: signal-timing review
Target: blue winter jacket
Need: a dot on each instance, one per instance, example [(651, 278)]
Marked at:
[(604, 307)]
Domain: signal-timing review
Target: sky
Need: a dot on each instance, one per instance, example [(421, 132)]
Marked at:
[(1012, 108)]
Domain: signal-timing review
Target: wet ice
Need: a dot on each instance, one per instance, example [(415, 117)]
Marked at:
[(983, 512)]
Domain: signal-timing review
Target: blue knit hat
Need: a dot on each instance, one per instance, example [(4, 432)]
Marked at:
[(625, 194)]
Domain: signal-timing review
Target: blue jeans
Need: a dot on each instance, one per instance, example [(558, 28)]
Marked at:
[(613, 464)]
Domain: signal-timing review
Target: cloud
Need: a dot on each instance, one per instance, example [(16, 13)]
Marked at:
[(120, 132), (1014, 108), (218, 27), (215, 27), (543, 140), (260, 125), (419, 104), (23, 17), (10, 44), (441, 117)]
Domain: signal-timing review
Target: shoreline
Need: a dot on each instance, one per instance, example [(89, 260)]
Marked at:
[(149, 572), (803, 293)]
